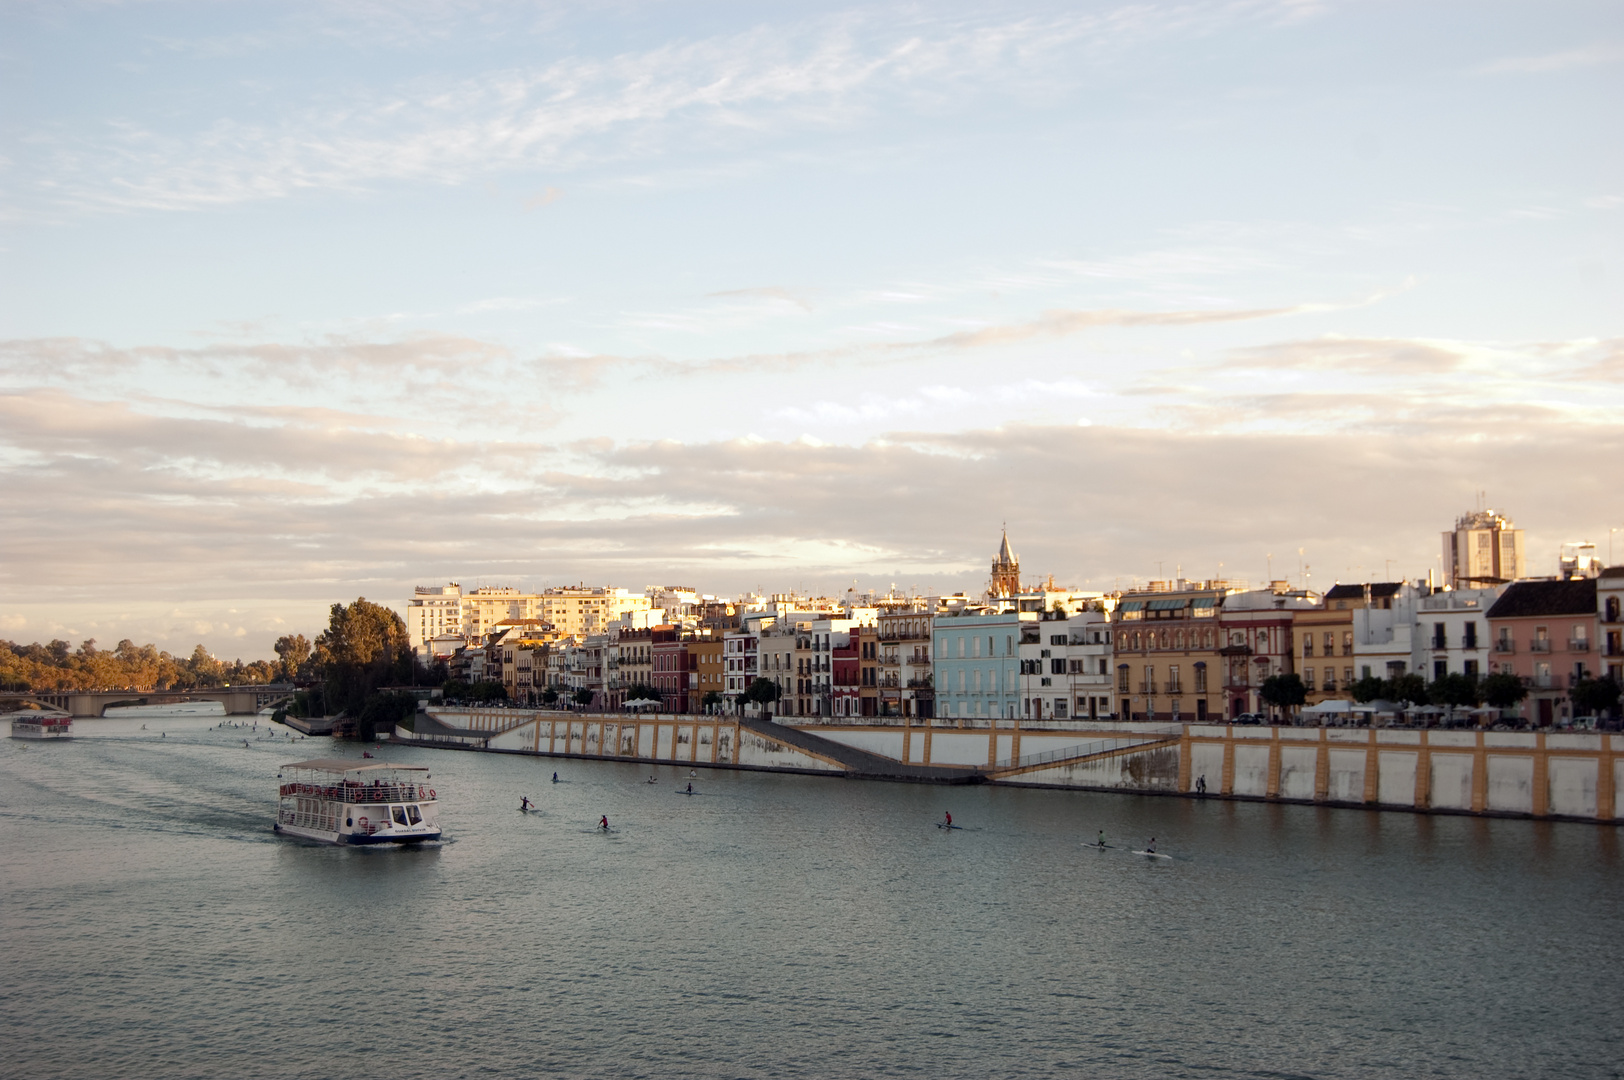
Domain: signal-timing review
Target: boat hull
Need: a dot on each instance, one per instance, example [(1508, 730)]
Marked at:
[(357, 839)]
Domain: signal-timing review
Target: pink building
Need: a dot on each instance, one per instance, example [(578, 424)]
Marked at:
[(1545, 632)]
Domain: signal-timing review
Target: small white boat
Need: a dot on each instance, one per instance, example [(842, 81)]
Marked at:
[(40, 724), (344, 801), (172, 708)]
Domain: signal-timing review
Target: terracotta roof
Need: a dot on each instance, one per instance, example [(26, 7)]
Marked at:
[(1352, 592), (1533, 598)]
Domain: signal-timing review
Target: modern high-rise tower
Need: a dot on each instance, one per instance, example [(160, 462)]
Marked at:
[(1484, 548)]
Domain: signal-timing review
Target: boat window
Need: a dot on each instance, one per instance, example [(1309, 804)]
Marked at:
[(416, 818), (399, 813)]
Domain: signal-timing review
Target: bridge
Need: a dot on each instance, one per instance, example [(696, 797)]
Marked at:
[(238, 700)]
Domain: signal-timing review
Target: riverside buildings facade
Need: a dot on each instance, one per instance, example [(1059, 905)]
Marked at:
[(1016, 654)]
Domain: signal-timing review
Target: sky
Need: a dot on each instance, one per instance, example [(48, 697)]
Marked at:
[(305, 302)]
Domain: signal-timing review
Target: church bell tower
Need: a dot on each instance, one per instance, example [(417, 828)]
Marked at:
[(1006, 571)]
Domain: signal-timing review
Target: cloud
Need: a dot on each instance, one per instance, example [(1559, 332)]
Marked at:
[(546, 197), (1585, 56), (725, 92), (1366, 355)]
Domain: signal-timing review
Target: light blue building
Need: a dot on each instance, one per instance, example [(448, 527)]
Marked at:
[(977, 664)]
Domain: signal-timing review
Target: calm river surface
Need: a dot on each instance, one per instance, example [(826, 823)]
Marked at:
[(776, 926)]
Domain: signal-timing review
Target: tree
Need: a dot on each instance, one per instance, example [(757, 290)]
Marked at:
[(1455, 690), (1503, 690), (1591, 697), (549, 696), (1368, 688), (582, 696), (1411, 689), (711, 698), (642, 691), (293, 650), (364, 647), (1284, 691)]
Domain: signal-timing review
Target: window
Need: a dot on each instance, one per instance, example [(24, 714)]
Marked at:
[(1200, 678), (1173, 686), (1057, 639), (1178, 639), (1330, 643), (1102, 665), (1469, 636), (1347, 677), (1308, 677), (1308, 644), (1059, 708), (1057, 667), (1440, 637), (989, 644), (961, 647), (1470, 667), (1122, 678)]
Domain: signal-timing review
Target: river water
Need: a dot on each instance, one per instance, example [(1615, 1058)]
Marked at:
[(776, 925)]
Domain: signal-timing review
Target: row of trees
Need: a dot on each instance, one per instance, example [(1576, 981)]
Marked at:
[(1500, 690), (59, 666)]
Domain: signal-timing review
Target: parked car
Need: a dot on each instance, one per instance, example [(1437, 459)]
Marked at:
[(1249, 718)]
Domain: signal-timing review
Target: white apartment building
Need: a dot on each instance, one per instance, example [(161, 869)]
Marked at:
[(1066, 666), (740, 652), (1451, 634), (434, 611)]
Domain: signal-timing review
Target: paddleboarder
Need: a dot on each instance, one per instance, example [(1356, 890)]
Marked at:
[(1101, 841), (524, 802), (603, 823), (949, 821)]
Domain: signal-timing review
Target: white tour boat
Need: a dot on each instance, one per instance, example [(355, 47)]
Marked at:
[(345, 801), (166, 709), (40, 724)]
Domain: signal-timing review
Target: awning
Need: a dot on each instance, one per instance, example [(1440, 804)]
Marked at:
[(1167, 605), (1204, 601), (1131, 605)]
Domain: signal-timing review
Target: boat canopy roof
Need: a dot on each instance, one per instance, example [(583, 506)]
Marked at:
[(349, 765)]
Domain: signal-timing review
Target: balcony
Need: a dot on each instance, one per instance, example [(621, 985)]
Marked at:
[(1173, 687), (1147, 686), (1505, 646), (1440, 643), (1614, 648), (1541, 682), (1540, 645), (1578, 644), (918, 661)]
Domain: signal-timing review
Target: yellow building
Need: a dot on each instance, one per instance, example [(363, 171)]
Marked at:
[(1167, 651)]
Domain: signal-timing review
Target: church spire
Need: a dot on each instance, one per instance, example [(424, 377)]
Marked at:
[(1006, 570)]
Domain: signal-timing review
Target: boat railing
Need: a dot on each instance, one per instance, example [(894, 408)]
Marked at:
[(361, 793)]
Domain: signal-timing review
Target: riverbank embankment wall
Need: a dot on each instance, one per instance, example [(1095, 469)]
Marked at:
[(1564, 775)]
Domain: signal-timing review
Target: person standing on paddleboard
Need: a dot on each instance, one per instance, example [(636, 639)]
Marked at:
[(1151, 847), (524, 802), (690, 787), (949, 821), (603, 823), (1101, 841)]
